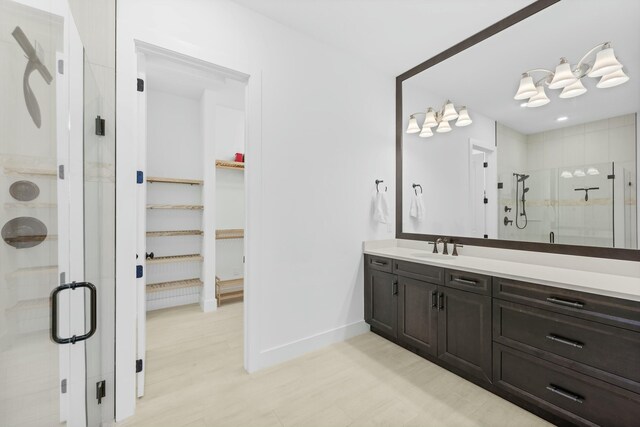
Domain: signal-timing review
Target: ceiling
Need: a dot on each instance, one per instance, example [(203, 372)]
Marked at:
[(485, 77), (390, 35)]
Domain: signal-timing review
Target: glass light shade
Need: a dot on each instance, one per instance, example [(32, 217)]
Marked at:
[(443, 127), (426, 132), (413, 125), (430, 120), (578, 172), (463, 118), (563, 76), (606, 63), (573, 90), (593, 171), (539, 99), (526, 89), (566, 174), (612, 79), (449, 113)]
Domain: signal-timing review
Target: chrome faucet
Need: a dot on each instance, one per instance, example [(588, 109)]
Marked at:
[(455, 248), (445, 249)]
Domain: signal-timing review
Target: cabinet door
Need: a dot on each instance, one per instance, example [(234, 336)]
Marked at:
[(418, 314), (380, 296), (464, 331)]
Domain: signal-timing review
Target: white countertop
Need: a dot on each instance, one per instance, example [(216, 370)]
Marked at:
[(619, 286)]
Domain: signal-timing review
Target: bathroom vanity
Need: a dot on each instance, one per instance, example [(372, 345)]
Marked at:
[(570, 356)]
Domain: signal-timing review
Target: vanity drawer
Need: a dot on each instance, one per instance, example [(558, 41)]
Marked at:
[(417, 271), (471, 282), (378, 263), (582, 399), (609, 353), (603, 309)]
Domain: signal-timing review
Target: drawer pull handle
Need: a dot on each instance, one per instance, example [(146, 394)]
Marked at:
[(465, 282), (394, 288), (566, 341), (434, 299), (564, 393), (565, 302), (441, 301), (379, 263)]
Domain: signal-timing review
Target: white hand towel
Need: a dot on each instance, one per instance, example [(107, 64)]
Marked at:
[(413, 210), (420, 203), (381, 208)]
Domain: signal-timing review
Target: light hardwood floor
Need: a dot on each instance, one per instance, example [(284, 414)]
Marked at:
[(195, 378)]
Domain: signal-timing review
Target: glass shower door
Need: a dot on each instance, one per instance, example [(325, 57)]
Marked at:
[(34, 216)]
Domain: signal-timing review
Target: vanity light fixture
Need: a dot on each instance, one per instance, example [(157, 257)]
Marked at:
[(593, 171), (579, 173), (439, 120), (413, 125), (568, 78), (566, 174)]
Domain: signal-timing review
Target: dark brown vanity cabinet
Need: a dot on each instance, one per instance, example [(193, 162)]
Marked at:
[(418, 314), (571, 357), (380, 306), (464, 331)]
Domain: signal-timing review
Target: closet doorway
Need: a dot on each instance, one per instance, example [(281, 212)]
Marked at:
[(190, 204)]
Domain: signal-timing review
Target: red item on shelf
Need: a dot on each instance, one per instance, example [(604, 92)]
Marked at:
[(239, 157)]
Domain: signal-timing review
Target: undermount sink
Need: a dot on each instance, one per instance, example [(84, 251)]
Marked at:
[(427, 255)]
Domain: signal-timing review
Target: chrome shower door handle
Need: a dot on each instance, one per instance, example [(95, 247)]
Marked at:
[(54, 312)]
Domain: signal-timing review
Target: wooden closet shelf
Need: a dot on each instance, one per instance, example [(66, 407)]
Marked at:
[(229, 289), (176, 258), (153, 179), (224, 164), (230, 233), (187, 207), (174, 233), (177, 284)]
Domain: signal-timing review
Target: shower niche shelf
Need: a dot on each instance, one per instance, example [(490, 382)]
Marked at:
[(157, 179), (176, 258), (19, 171)]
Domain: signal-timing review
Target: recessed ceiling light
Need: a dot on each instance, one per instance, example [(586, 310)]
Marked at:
[(561, 119)]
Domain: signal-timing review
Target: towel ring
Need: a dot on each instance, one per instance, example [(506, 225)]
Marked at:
[(379, 181), (414, 188)]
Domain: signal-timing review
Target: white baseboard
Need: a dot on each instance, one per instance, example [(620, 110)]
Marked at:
[(282, 353), (173, 301), (209, 305)]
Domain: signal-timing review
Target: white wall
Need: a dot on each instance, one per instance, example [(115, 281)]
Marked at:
[(320, 131)]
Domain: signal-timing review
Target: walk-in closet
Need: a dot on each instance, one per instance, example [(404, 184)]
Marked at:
[(191, 198)]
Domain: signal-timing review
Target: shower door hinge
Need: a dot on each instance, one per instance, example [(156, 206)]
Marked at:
[(100, 130), (500, 185), (486, 236), (63, 386), (60, 66), (61, 171), (139, 177), (138, 366), (612, 176), (101, 390), (139, 271), (485, 200), (485, 164), (140, 87)]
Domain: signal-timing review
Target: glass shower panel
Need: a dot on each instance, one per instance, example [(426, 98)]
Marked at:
[(99, 246), (33, 214), (585, 206)]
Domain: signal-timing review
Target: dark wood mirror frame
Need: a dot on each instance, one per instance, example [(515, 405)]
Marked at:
[(591, 251)]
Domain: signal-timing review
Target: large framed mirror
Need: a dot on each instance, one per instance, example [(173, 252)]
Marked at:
[(524, 136)]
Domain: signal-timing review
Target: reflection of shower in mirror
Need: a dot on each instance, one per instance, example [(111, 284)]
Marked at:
[(521, 179), (35, 63)]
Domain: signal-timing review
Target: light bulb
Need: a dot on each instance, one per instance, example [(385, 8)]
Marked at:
[(563, 76), (612, 79), (463, 118), (449, 112), (538, 99), (606, 62), (413, 125), (579, 173), (526, 89), (430, 119), (573, 90), (443, 127), (426, 132)]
